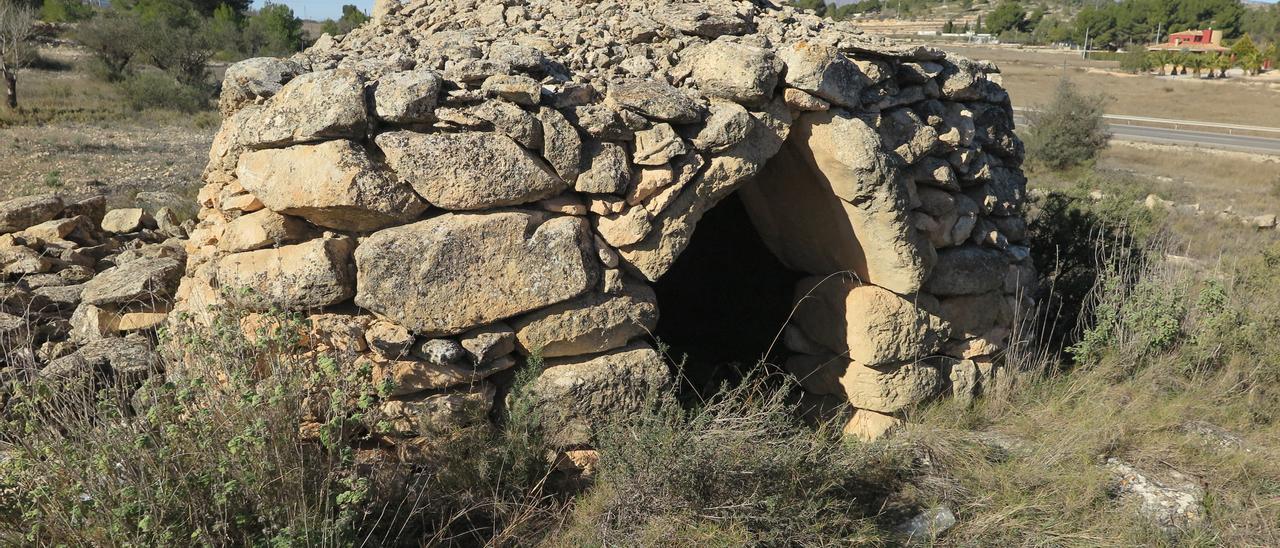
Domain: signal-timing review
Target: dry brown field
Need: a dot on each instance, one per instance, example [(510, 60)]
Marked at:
[(1031, 75)]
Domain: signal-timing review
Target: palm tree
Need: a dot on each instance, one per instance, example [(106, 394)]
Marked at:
[(1179, 60), (1197, 62), (1222, 62), (1158, 60)]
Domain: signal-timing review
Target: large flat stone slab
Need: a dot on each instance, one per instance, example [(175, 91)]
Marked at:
[(292, 277), (333, 184), (454, 272), (469, 171)]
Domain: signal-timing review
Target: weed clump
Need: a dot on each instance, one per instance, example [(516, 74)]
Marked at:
[(742, 469)]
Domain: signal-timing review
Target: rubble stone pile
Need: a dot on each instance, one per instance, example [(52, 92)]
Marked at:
[(83, 289), (457, 186)]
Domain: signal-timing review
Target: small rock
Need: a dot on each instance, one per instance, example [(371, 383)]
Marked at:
[(927, 525), (124, 221), (655, 100), (605, 170), (388, 339), (485, 344), (520, 90), (407, 97), (21, 213), (1172, 506), (147, 280), (440, 352), (658, 145)]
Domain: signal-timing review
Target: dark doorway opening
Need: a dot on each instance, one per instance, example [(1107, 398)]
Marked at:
[(724, 301)]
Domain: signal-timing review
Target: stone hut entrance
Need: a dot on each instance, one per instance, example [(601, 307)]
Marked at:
[(725, 300)]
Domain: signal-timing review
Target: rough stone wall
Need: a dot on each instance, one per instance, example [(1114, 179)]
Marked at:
[(461, 183)]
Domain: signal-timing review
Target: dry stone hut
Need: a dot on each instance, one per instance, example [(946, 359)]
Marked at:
[(457, 185)]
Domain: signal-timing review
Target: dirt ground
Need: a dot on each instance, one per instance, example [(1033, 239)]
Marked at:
[(74, 134), (1248, 184), (1031, 75), (118, 160)]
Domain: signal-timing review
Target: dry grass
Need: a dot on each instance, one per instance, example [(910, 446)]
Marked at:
[(1042, 483), (1248, 183), (73, 135), (1032, 75)]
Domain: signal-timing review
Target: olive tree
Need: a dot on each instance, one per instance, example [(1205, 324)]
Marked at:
[(16, 23)]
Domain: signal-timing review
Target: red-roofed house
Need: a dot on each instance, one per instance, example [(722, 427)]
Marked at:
[(1197, 41)]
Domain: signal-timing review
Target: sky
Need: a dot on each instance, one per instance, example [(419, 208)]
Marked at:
[(320, 9)]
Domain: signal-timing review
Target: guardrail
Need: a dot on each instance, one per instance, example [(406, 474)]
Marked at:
[(1230, 129)]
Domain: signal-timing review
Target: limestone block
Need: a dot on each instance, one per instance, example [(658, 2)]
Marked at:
[(890, 389), (253, 79), (459, 271), (469, 171), (23, 212), (561, 145), (804, 101), (605, 169), (625, 228), (576, 395), (973, 315), (825, 72), (262, 229), (327, 104), (967, 270), (868, 426), (654, 100), (589, 324), (122, 221), (412, 376), (487, 343), (737, 72), (521, 90), (868, 324), (658, 145), (294, 277), (144, 280), (333, 184), (407, 97), (727, 125)]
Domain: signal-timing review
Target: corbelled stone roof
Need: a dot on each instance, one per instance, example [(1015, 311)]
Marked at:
[(517, 173)]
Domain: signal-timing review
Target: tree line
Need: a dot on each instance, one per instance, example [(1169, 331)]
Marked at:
[(1104, 25), (158, 51)]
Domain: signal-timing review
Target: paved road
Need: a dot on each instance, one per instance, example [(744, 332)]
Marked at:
[(1163, 135), (1244, 143)]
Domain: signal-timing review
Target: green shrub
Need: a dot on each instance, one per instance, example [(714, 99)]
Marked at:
[(351, 18), (157, 90), (64, 11), (214, 456), (1067, 132), (1075, 239), (1135, 59), (251, 442)]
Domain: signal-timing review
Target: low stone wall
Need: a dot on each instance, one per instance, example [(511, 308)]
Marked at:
[(455, 187)]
